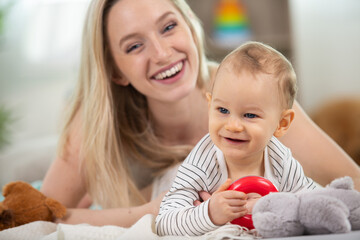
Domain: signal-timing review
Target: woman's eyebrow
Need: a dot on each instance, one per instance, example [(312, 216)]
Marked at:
[(125, 38), (131, 35), (164, 16)]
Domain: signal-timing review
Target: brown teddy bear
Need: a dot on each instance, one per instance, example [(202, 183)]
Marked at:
[(24, 204)]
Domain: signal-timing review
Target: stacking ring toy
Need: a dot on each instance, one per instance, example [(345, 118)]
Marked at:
[(251, 184)]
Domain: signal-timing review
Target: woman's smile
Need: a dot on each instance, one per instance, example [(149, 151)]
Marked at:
[(170, 74), (169, 71)]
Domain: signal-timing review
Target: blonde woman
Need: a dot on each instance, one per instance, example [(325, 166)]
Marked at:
[(140, 107)]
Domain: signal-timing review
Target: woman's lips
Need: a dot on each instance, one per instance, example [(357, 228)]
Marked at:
[(171, 74), (168, 71)]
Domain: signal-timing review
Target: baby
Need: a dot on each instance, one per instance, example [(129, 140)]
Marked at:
[(250, 106)]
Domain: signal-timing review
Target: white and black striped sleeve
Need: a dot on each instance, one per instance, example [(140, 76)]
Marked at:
[(199, 172), (294, 177), (178, 215), (290, 172)]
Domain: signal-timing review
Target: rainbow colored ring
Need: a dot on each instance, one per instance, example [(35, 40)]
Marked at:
[(251, 184)]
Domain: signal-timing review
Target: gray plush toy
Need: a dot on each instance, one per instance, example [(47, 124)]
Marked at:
[(333, 209)]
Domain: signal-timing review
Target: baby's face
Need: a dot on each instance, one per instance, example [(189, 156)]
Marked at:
[(244, 112)]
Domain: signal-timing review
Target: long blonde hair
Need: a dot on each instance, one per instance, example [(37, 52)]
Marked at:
[(116, 127)]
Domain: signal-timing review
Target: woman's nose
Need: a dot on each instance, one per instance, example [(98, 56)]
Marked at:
[(234, 125), (161, 51)]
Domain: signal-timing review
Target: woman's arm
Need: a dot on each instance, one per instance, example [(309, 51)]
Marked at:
[(63, 181), (322, 159), (64, 184)]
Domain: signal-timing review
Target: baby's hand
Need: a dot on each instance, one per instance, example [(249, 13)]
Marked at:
[(252, 198), (225, 206)]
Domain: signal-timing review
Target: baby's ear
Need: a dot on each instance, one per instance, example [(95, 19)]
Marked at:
[(287, 117), (208, 98)]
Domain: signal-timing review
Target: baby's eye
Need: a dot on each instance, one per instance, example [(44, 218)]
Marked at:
[(133, 47), (250, 115), (223, 110), (169, 27)]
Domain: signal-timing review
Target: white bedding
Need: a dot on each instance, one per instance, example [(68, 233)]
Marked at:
[(142, 229)]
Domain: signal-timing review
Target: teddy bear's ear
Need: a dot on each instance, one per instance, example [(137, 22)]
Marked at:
[(15, 186), (7, 188), (58, 210), (342, 183)]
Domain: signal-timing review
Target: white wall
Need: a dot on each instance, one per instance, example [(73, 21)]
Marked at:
[(39, 55), (326, 47)]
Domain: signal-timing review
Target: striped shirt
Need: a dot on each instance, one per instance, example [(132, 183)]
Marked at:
[(204, 169)]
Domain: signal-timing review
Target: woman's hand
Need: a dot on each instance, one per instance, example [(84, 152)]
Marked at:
[(226, 205)]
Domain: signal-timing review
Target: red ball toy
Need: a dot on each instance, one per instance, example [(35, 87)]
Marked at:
[(251, 184)]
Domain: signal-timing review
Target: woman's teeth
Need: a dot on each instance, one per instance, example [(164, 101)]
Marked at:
[(170, 72)]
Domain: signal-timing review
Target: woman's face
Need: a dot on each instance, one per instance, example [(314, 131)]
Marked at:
[(153, 48)]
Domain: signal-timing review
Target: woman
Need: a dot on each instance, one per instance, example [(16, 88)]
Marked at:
[(140, 107)]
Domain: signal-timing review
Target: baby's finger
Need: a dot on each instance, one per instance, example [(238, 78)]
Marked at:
[(236, 202), (233, 194), (224, 186), (239, 214), (241, 210), (197, 203), (204, 195)]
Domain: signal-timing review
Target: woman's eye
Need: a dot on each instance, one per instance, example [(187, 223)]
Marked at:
[(250, 115), (223, 110), (132, 47), (169, 27)]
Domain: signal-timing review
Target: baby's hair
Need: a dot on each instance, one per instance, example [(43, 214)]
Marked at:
[(258, 57)]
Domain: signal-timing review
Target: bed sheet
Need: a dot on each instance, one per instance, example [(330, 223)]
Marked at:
[(142, 229)]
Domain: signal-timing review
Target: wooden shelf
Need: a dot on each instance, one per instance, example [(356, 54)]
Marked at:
[(268, 21)]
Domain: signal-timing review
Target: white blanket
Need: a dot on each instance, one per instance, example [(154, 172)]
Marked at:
[(142, 229)]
